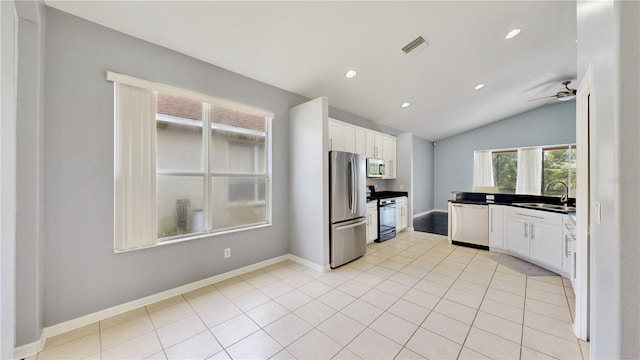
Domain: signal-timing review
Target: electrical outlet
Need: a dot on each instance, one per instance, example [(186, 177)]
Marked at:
[(597, 212), (401, 187), (227, 253)]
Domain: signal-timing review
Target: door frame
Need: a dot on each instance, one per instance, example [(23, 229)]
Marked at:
[(584, 110)]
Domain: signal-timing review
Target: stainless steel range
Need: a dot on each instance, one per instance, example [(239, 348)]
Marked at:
[(386, 219)]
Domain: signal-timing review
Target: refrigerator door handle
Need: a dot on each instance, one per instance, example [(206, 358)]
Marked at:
[(351, 225), (354, 194), (350, 187)]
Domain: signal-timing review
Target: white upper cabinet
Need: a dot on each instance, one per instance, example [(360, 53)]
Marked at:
[(389, 156), (370, 146), (349, 138), (361, 141), (374, 144), (336, 136), (358, 140)]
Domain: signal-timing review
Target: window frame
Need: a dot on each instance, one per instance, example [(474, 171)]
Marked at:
[(544, 148), (207, 102), (495, 178), (568, 147)]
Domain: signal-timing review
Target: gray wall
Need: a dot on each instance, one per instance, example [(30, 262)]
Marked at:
[(608, 39), (629, 192), (453, 156), (8, 52), (422, 175), (30, 185), (83, 275)]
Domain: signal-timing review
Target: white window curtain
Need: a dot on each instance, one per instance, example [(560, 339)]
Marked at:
[(135, 168), (482, 169), (529, 175)]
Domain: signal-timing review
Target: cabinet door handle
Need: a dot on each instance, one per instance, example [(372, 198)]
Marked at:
[(533, 234), (567, 252), (526, 229), (491, 222)]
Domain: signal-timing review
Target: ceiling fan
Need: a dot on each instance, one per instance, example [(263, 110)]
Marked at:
[(562, 95)]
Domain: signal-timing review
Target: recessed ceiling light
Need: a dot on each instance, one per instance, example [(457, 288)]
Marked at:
[(405, 104), (350, 74), (513, 33), (479, 86)]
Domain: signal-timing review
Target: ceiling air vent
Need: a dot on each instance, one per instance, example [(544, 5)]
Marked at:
[(419, 42)]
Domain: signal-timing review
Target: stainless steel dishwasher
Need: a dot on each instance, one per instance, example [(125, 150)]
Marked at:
[(469, 223)]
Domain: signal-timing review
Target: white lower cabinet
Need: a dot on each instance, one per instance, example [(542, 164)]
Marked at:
[(535, 235), (402, 213), (517, 233), (546, 241), (496, 227), (372, 221), (568, 246)]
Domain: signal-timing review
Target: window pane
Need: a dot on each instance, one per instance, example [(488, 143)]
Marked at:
[(505, 170), (572, 172), (180, 205), (179, 134), (555, 167), (238, 201), (237, 142)]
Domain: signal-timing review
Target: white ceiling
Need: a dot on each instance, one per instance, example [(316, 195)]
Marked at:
[(306, 48)]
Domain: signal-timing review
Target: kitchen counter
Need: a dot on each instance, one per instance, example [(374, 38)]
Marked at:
[(516, 200), (386, 195)]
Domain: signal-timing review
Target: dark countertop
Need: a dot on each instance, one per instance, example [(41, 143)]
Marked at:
[(510, 200), (386, 195)]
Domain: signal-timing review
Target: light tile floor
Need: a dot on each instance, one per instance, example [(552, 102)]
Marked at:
[(412, 297)]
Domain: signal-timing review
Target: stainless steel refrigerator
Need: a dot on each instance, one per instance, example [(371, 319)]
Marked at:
[(347, 207)]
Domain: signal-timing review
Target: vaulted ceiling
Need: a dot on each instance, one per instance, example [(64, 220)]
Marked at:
[(307, 47)]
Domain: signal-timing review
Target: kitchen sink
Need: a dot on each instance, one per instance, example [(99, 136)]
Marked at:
[(543, 206)]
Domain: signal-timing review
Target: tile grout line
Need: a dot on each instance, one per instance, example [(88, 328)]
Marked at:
[(524, 312), (437, 249), (478, 310)]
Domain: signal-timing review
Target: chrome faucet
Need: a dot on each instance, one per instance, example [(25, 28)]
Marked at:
[(564, 199)]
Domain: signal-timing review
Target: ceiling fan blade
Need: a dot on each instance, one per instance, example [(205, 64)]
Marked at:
[(546, 97)]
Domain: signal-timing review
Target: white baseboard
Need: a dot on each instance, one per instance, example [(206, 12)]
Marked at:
[(429, 212), (33, 348), (309, 264)]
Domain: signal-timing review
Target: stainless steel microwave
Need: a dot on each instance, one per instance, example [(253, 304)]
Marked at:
[(375, 168)]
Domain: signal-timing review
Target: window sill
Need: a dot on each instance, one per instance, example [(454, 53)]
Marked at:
[(199, 236), (246, 204)]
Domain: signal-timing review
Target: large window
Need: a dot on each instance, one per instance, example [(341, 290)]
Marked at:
[(213, 182), (558, 165), (505, 170), (186, 164)]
